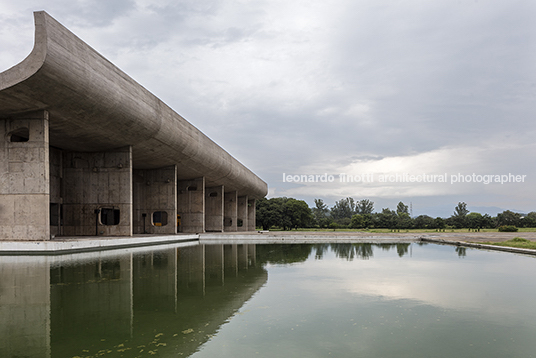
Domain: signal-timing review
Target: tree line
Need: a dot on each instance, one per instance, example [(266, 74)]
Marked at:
[(289, 213)]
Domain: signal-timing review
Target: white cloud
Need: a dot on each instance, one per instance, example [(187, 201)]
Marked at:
[(315, 85), (434, 173)]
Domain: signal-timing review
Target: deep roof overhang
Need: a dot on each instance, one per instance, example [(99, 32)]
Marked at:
[(94, 106)]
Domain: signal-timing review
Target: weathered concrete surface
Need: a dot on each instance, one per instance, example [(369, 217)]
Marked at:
[(230, 211), (155, 192), (71, 245), (102, 181), (303, 237), (214, 197), (94, 106), (66, 116), (191, 205), (242, 213), (24, 177), (251, 214)]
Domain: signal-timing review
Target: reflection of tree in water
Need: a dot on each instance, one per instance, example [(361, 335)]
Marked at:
[(401, 249), (283, 253), (461, 251), (320, 250), (351, 251), (365, 251), (293, 253)]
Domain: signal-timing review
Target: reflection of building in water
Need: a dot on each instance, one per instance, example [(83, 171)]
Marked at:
[(24, 308), (170, 300)]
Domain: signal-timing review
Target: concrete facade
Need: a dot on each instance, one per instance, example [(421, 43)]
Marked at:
[(155, 197), (191, 205), (251, 214), (214, 197), (242, 213), (86, 150), (230, 211), (98, 193), (25, 177)]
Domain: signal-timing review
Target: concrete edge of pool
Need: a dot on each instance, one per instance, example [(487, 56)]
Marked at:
[(474, 245), (69, 245), (88, 244)]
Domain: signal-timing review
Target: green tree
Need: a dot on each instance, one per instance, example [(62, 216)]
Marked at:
[(530, 219), (423, 222), (320, 213), (508, 217), (286, 213), (267, 213), (402, 209), (365, 206), (439, 223), (403, 221), (474, 220), (387, 219), (357, 222), (298, 214), (460, 212), (488, 222), (367, 220), (343, 208)]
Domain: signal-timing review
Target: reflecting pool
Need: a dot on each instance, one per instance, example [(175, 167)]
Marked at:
[(291, 300)]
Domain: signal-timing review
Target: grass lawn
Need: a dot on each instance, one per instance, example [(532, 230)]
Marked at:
[(383, 231), (515, 242)]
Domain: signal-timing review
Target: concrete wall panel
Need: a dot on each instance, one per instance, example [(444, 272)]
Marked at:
[(251, 215), (214, 208), (155, 190), (191, 205), (230, 211), (24, 177), (97, 181), (242, 213)]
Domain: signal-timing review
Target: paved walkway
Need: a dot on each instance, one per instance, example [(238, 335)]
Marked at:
[(66, 245)]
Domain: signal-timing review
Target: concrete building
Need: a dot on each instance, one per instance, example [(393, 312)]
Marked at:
[(86, 150)]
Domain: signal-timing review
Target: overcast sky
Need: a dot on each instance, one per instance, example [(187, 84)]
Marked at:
[(341, 86)]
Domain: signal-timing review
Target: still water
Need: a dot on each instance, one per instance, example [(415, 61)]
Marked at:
[(293, 300)]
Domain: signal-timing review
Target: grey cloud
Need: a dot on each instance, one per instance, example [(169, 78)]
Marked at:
[(89, 14)]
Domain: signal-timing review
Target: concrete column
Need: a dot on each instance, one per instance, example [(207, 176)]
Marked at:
[(98, 193), (56, 195), (24, 177), (230, 211), (191, 205), (242, 213), (251, 214), (214, 208), (155, 200)]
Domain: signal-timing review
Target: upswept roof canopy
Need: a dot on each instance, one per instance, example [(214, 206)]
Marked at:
[(94, 106)]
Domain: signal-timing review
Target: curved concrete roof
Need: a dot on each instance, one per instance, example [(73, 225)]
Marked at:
[(94, 106)]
